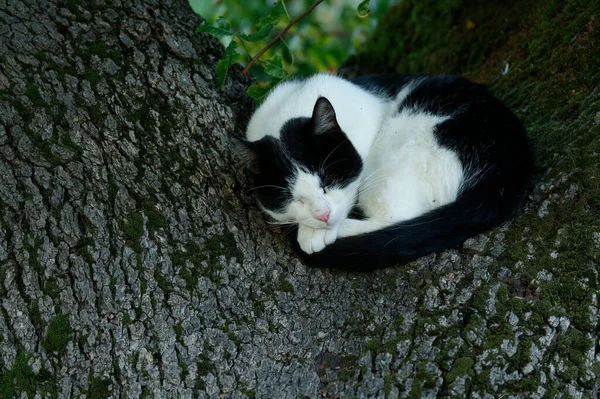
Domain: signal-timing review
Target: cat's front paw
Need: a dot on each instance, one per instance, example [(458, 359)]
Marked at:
[(315, 240)]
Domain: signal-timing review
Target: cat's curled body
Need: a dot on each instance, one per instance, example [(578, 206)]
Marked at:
[(425, 161)]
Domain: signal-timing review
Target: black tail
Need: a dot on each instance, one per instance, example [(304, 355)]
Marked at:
[(491, 144), (440, 229)]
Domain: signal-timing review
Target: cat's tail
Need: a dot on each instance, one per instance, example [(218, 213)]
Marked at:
[(440, 229)]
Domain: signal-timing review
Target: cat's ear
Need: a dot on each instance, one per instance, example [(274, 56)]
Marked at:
[(245, 149), (323, 118)]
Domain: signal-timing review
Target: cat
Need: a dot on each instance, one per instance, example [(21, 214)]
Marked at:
[(382, 169)]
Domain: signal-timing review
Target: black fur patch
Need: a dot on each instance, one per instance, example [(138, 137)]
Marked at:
[(331, 156), (491, 144)]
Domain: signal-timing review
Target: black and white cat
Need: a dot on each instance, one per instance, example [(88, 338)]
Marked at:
[(425, 162)]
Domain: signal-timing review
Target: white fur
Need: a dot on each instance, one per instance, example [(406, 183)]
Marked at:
[(358, 112), (310, 201), (405, 172)]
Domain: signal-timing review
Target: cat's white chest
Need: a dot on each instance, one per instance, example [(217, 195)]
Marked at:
[(406, 172)]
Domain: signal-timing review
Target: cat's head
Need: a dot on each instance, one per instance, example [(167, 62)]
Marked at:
[(310, 174)]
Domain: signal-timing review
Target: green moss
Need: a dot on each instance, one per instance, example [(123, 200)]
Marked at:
[(84, 223), (99, 388), (374, 345), (527, 384), (192, 252), (345, 374), (25, 111), (388, 381), (184, 370), (196, 255), (377, 346), (178, 330), (68, 143), (204, 365), (251, 394), (190, 278), (133, 229), (156, 220), (52, 288), (58, 334), (40, 55), (162, 281), (210, 251), (47, 384), (32, 249), (92, 76), (213, 244), (36, 316), (285, 286), (232, 337), (430, 382), (565, 131), (521, 358), (416, 390), (3, 271), (113, 284), (224, 244), (570, 372), (81, 248), (21, 379), (102, 50), (143, 288), (97, 114), (33, 92), (462, 366), (165, 126), (72, 6), (46, 146)]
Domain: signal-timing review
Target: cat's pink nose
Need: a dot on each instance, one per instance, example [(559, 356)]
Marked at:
[(324, 217)]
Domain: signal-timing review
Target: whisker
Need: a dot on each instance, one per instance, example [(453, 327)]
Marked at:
[(328, 155), (371, 184), (277, 223), (370, 181), (265, 186), (328, 166), (287, 229)]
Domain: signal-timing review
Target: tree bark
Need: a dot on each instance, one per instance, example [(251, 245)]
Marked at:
[(134, 262)]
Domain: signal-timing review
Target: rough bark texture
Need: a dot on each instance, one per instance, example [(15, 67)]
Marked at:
[(133, 262)]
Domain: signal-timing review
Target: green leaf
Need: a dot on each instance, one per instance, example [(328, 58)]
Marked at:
[(254, 37), (263, 27), (270, 19), (222, 28), (259, 91), (222, 23), (363, 9), (229, 58), (274, 66)]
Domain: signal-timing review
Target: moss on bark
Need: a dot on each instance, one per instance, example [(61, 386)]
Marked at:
[(543, 59)]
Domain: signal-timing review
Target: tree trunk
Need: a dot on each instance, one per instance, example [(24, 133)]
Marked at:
[(133, 261)]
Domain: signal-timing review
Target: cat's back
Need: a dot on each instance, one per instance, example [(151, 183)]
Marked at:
[(359, 112)]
